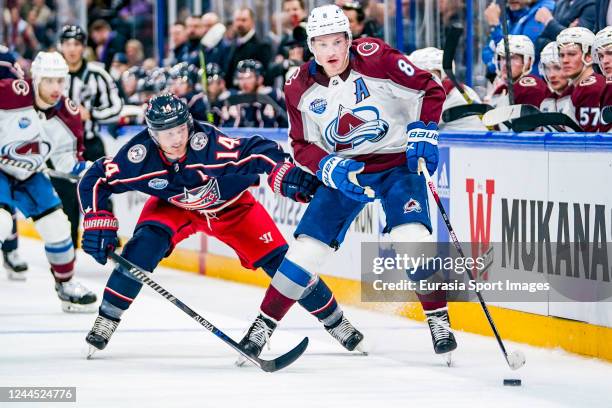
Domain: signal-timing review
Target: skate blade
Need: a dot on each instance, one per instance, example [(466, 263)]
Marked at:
[(241, 361), (76, 308), (362, 347), (448, 358), (17, 276), (91, 352)]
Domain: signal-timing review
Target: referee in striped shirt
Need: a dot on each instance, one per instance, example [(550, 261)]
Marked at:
[(95, 92)]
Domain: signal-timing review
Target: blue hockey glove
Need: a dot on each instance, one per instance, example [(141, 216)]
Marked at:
[(80, 168), (422, 142), (100, 234), (339, 173), (290, 181)]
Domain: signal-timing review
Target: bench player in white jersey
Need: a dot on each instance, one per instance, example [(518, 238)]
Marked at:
[(360, 109), (430, 59), (550, 68), (602, 54), (38, 123), (586, 86)]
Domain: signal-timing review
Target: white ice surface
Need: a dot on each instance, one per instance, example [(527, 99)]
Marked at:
[(159, 357)]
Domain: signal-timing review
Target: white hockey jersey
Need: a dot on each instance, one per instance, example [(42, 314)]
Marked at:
[(363, 112), (32, 136)]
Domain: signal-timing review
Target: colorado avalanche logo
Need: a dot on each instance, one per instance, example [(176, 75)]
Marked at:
[(198, 198), (353, 127), (34, 152), (412, 205)]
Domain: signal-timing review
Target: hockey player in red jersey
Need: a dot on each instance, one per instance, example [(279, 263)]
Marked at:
[(37, 123), (550, 68), (359, 113), (198, 180), (528, 88), (602, 54), (575, 45)]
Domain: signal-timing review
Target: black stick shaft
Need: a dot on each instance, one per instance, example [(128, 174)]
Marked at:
[(504, 22)]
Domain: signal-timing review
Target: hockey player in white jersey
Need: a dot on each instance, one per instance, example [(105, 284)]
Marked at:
[(38, 123), (360, 113), (430, 59)]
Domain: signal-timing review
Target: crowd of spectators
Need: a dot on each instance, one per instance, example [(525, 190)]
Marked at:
[(206, 53)]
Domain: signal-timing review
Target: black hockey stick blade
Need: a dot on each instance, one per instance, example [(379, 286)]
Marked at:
[(450, 49), (507, 113), (266, 365), (531, 122), (462, 111), (257, 97), (606, 114)]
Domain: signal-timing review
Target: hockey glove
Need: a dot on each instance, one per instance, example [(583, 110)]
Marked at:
[(100, 234), (339, 173), (422, 142), (290, 181)]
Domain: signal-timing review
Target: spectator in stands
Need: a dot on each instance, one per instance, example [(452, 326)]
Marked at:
[(178, 39), (119, 66), (195, 31), (134, 52), (294, 14), (208, 20), (213, 46), (604, 17), (18, 34), (567, 13), (107, 41), (521, 21), (255, 105), (360, 27), (246, 45)]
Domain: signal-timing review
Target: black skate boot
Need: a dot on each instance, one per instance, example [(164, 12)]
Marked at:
[(75, 297), (15, 267), (100, 334), (350, 338), (257, 337), (441, 333)]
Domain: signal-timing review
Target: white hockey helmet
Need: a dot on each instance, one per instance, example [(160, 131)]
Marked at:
[(48, 65), (328, 19), (429, 59), (603, 39), (520, 45), (548, 56), (577, 36)]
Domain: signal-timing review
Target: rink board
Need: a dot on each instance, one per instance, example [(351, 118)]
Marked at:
[(487, 169)]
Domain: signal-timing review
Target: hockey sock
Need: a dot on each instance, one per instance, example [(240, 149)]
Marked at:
[(275, 304), (11, 242), (61, 258), (321, 303), (432, 301), (119, 293)]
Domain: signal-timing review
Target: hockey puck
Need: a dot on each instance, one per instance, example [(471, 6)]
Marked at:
[(513, 382)]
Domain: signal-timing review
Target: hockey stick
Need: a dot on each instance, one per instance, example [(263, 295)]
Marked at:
[(507, 113), (261, 98), (26, 166), (450, 48), (504, 22), (516, 359), (463, 111), (554, 119), (267, 365)]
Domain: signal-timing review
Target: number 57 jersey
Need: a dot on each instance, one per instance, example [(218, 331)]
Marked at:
[(363, 112)]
